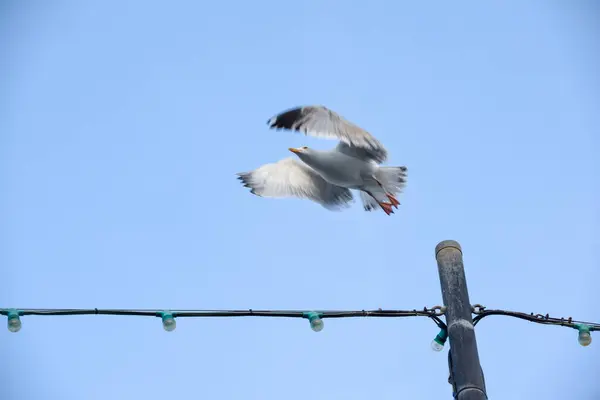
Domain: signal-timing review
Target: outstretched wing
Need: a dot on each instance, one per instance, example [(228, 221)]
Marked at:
[(320, 121), (291, 178)]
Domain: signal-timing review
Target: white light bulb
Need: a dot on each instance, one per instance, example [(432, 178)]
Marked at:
[(14, 324), (169, 324), (316, 324), (584, 338), (168, 321), (436, 346)]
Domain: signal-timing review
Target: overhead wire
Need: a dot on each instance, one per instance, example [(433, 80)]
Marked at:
[(315, 317)]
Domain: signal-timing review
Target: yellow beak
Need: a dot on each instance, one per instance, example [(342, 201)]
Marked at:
[(294, 150)]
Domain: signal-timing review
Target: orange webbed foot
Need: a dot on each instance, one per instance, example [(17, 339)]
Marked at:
[(387, 208), (393, 200)]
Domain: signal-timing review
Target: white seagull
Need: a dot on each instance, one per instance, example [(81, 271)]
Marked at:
[(326, 177)]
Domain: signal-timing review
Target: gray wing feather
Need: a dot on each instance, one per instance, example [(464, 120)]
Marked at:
[(292, 178), (357, 152), (322, 122)]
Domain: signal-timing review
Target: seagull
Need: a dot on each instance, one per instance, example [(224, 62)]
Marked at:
[(327, 176)]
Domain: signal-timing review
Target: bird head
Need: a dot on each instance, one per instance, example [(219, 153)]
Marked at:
[(299, 150)]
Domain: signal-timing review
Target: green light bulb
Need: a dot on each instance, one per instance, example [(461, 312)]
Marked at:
[(168, 321), (437, 344), (14, 322), (584, 337), (316, 323)]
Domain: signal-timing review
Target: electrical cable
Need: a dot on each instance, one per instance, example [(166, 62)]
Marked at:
[(315, 317)]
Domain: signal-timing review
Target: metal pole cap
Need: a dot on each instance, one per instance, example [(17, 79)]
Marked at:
[(444, 244)]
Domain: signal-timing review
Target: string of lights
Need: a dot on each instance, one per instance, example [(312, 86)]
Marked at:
[(168, 316), (584, 329), (315, 317)]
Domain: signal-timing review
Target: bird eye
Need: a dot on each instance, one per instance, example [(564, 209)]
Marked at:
[(305, 147)]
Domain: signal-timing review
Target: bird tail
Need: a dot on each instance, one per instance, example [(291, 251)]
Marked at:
[(369, 203), (393, 179), (390, 182)]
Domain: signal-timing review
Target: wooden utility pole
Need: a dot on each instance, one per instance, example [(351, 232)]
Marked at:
[(466, 375)]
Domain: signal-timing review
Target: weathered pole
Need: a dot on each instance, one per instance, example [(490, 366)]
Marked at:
[(466, 375)]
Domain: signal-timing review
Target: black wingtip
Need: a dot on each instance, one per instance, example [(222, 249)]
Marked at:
[(286, 119), (244, 177)]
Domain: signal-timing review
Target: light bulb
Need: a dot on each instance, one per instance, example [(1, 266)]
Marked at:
[(168, 321), (584, 337), (14, 322), (316, 323), (437, 344)]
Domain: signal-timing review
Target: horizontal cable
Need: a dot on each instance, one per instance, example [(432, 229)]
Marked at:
[(315, 317), (425, 312), (434, 313), (481, 312)]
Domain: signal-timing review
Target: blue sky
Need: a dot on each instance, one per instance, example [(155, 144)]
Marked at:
[(123, 125)]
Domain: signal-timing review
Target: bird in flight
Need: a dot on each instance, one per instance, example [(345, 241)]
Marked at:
[(326, 177)]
